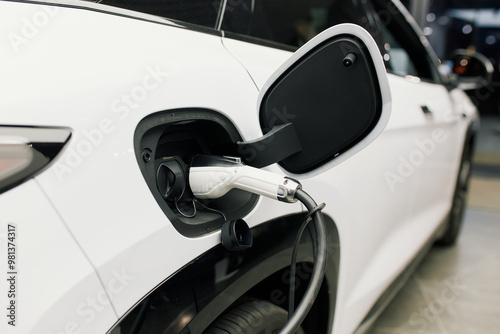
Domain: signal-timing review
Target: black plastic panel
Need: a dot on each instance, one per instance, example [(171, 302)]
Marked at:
[(332, 106)]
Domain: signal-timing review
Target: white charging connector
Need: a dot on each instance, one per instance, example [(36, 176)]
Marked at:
[(213, 176)]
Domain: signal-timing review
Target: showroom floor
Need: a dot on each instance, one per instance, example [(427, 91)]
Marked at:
[(457, 290)]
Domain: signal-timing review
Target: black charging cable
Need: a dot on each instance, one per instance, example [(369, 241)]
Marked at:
[(291, 295), (319, 269)]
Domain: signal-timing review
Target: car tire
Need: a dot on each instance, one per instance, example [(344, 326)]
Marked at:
[(254, 317), (459, 200)]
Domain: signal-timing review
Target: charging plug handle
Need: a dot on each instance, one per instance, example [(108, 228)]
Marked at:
[(213, 177)]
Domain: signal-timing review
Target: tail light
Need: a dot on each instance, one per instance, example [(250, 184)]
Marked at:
[(26, 151)]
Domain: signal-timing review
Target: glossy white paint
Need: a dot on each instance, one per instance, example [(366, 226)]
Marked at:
[(93, 223), (57, 289)]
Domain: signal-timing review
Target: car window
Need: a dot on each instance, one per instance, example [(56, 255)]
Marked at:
[(294, 22), (290, 22), (401, 47), (200, 12), (396, 56)]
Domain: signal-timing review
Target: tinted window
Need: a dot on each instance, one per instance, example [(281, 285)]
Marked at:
[(201, 12), (291, 22), (294, 22), (397, 58), (401, 47)]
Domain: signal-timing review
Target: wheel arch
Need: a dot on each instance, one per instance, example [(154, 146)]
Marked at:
[(191, 299)]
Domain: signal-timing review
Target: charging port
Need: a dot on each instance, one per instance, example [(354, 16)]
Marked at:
[(165, 144)]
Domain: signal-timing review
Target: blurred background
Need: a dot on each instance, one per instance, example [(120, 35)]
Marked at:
[(472, 25)]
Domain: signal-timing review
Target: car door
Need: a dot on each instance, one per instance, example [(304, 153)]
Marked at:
[(434, 158), (381, 198)]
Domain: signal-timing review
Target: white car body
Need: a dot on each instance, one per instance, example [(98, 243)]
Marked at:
[(92, 242)]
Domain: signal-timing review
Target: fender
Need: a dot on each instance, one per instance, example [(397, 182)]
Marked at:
[(191, 299)]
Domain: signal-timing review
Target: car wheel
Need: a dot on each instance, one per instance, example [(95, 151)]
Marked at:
[(254, 317), (459, 200)]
